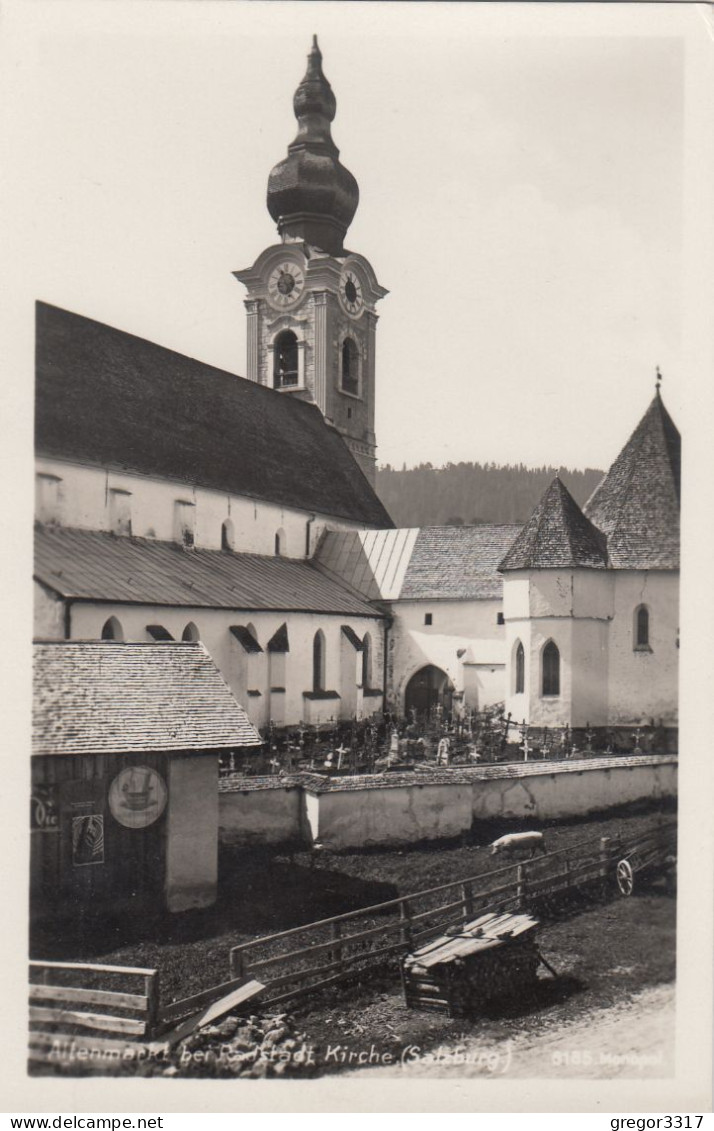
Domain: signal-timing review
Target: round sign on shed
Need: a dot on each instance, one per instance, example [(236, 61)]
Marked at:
[(137, 797)]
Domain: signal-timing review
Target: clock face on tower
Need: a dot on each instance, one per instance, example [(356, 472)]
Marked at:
[(285, 284), (351, 293)]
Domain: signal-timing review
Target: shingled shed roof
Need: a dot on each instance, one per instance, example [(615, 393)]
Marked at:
[(557, 536), (637, 503), (106, 397), (97, 697), (88, 565), (457, 562)]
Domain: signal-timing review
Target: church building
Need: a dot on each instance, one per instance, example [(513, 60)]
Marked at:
[(175, 501), (591, 597), (178, 502)]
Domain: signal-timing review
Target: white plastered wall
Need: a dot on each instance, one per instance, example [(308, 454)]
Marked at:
[(244, 671), (84, 500), (468, 622)]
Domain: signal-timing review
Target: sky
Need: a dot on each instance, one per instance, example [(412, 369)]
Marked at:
[(521, 183)]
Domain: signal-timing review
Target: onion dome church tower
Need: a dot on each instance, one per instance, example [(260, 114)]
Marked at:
[(311, 302)]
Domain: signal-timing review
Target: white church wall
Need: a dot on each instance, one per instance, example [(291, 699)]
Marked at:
[(517, 704), (86, 498), (249, 674), (573, 608), (577, 592), (589, 673), (48, 615), (550, 710), (516, 596), (643, 682), (484, 685), (593, 593), (466, 623)]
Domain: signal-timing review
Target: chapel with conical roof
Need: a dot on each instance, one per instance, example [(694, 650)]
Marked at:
[(311, 302), (590, 596)]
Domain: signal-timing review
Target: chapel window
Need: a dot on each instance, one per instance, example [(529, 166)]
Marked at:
[(112, 630), (279, 542), (551, 669), (520, 669), (642, 627), (318, 661), (285, 360), (367, 661), (190, 633), (228, 538)]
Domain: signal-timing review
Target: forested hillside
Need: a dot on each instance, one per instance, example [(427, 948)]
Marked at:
[(470, 493)]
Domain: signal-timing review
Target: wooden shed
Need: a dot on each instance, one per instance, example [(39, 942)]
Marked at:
[(126, 741)]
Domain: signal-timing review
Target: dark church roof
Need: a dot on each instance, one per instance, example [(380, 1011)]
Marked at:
[(557, 536), (172, 698), (457, 562), (93, 566), (637, 503), (106, 397)]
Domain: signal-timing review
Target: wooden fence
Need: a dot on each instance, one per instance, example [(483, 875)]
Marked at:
[(319, 954), (65, 1025), (310, 957)]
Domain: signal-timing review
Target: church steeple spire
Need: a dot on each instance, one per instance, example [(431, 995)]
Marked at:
[(311, 196)]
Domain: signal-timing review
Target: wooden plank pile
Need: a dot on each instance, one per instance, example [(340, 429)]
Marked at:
[(491, 957)]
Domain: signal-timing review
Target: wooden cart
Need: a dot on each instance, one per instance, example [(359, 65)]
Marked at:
[(494, 956)]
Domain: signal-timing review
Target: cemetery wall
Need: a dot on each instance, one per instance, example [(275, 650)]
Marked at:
[(407, 808)]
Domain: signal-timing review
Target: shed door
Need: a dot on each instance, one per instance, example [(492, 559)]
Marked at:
[(136, 825)]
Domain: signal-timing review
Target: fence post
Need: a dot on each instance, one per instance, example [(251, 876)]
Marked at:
[(468, 903), (151, 985), (521, 886), (237, 963), (336, 953), (604, 859), (405, 923)]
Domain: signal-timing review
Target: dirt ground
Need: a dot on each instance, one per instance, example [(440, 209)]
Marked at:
[(610, 958), (261, 892), (631, 1039), (605, 955)]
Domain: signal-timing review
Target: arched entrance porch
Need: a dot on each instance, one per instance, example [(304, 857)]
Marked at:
[(428, 688)]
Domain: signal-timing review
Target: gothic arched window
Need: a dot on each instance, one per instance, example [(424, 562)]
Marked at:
[(318, 661), (285, 360), (279, 542), (350, 367), (642, 627), (112, 630), (520, 669), (190, 633), (228, 538), (551, 669), (367, 661)]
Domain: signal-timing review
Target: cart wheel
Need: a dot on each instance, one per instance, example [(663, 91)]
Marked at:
[(625, 877)]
